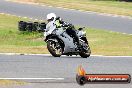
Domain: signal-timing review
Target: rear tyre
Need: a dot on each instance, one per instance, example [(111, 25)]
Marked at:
[(54, 47)]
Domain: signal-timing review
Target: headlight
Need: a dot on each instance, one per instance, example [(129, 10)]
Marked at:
[(83, 32)]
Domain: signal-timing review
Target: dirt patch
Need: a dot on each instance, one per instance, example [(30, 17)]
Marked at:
[(24, 0), (11, 83)]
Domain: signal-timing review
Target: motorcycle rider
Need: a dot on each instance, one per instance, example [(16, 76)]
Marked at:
[(51, 17), (56, 22)]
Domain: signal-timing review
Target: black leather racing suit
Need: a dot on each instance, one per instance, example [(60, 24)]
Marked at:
[(70, 30)]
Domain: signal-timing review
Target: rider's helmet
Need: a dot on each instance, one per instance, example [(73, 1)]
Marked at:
[(51, 16)]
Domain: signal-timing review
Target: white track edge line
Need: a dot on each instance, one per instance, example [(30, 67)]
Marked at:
[(50, 55)]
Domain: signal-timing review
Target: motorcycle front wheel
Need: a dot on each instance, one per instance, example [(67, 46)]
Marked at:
[(54, 48), (86, 54)]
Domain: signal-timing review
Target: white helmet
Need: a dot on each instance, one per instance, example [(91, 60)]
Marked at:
[(51, 15)]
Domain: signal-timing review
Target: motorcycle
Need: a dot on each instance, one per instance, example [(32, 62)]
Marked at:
[(60, 43)]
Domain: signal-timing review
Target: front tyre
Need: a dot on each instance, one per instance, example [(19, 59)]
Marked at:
[(54, 47), (86, 54)]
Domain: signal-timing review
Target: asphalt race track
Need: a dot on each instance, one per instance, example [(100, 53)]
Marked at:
[(65, 68), (89, 19)]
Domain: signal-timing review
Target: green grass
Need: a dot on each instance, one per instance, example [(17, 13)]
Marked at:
[(11, 40), (109, 43), (101, 42), (104, 6)]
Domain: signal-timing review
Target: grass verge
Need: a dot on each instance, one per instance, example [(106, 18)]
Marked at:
[(11, 83), (111, 7), (101, 42), (11, 40)]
